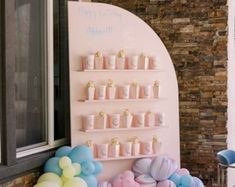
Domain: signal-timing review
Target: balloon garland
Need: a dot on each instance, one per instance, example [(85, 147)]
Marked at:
[(71, 167), (76, 167)]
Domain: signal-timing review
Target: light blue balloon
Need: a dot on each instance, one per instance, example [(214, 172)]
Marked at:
[(90, 180), (98, 167), (81, 153), (186, 180), (175, 178), (63, 151), (52, 165), (197, 182), (87, 168)]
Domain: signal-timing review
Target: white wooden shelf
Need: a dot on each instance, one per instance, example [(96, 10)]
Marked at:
[(121, 70), (124, 158), (119, 100), (123, 129)]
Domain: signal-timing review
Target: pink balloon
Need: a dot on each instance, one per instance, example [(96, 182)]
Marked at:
[(130, 183), (182, 171), (166, 183), (117, 181), (125, 179), (147, 185), (145, 179), (128, 174)]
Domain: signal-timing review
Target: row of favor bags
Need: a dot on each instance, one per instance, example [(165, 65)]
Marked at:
[(127, 91), (119, 61)]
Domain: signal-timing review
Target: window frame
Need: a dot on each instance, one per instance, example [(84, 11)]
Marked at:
[(1, 61), (11, 165)]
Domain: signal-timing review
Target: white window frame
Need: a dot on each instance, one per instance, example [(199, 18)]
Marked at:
[(51, 142)]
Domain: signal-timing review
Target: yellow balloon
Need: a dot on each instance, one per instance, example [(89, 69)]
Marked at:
[(75, 182), (69, 172), (50, 177), (65, 162), (47, 184), (77, 167), (64, 179)]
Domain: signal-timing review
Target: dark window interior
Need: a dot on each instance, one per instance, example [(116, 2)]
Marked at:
[(1, 61), (30, 72)]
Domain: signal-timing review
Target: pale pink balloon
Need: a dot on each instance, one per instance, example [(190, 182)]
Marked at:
[(125, 179), (141, 166), (128, 174), (117, 182), (147, 185), (145, 179), (182, 171), (162, 168), (130, 183)]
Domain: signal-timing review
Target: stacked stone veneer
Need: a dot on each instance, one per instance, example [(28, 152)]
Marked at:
[(195, 34), (25, 181)]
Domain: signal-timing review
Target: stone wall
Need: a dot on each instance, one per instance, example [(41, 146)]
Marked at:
[(25, 181), (195, 34)]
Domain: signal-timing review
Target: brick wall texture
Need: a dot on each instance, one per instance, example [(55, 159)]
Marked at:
[(195, 34), (25, 181)]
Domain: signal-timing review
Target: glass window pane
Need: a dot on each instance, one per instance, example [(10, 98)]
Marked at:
[(1, 62), (30, 73)]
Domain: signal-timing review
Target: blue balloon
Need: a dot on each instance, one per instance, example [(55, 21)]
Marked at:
[(175, 178), (90, 180), (98, 167), (52, 165), (63, 151), (81, 154), (197, 182), (186, 180), (87, 167)]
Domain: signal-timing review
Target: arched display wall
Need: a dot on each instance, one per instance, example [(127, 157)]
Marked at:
[(100, 27)]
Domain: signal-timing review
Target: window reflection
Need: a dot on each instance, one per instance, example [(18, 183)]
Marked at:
[(30, 72)]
